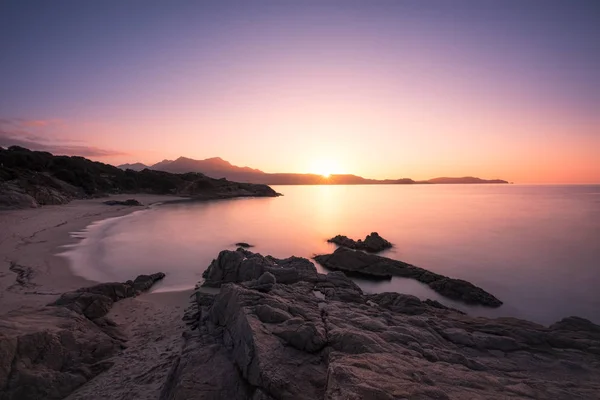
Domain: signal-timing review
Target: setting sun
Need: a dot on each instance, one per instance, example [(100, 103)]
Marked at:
[(325, 167)]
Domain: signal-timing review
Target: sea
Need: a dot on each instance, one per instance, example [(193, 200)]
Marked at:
[(535, 247)]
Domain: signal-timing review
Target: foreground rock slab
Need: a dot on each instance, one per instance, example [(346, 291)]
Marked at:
[(289, 343), (373, 243), (373, 266), (49, 352)]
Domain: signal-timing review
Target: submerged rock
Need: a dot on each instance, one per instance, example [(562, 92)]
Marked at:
[(48, 352), (373, 243), (370, 265), (289, 344)]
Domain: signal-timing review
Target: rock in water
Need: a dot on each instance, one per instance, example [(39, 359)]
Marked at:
[(48, 352), (374, 266), (244, 245), (289, 344), (373, 243)]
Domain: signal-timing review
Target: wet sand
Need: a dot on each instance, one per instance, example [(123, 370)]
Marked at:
[(32, 273)]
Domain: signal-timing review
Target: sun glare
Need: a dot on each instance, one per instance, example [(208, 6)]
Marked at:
[(324, 168)]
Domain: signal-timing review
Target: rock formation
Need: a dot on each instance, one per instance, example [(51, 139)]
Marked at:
[(48, 352), (373, 243), (243, 266), (322, 338), (370, 265)]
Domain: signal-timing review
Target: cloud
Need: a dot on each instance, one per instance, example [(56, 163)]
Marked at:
[(30, 123), (37, 123), (13, 134)]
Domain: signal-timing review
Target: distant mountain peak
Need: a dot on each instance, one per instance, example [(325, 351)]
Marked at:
[(135, 166)]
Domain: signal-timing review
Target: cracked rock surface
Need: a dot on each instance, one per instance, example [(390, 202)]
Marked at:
[(47, 353), (324, 339)]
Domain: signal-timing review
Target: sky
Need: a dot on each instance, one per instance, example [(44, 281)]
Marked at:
[(382, 89)]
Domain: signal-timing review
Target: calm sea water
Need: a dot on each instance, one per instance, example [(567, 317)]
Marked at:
[(537, 248)]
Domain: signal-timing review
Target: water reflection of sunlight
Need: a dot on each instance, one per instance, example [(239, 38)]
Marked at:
[(327, 208)]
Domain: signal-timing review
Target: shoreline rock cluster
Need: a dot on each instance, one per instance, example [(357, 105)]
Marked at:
[(373, 266), (316, 336), (279, 329), (49, 352), (373, 243)]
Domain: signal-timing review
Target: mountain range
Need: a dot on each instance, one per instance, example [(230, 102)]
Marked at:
[(216, 167)]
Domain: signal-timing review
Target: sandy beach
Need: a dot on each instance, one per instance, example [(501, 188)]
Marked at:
[(34, 274)]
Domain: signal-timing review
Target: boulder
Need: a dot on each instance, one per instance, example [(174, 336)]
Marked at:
[(373, 243), (373, 266), (244, 266), (12, 197), (244, 245)]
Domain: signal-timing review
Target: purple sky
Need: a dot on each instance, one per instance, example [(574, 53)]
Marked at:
[(506, 89)]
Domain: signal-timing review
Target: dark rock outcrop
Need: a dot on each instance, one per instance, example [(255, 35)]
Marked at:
[(288, 343), (128, 202), (373, 243), (34, 178), (370, 265), (244, 245), (242, 266), (48, 352), (96, 301)]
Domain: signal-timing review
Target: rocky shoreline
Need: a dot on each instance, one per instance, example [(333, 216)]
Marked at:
[(279, 329), (49, 352), (316, 336), (373, 266)]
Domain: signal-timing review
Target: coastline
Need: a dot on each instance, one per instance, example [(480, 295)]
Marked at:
[(33, 272), (162, 342), (152, 322)]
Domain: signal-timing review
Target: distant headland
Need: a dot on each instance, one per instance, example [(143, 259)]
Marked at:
[(35, 178), (216, 167)]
